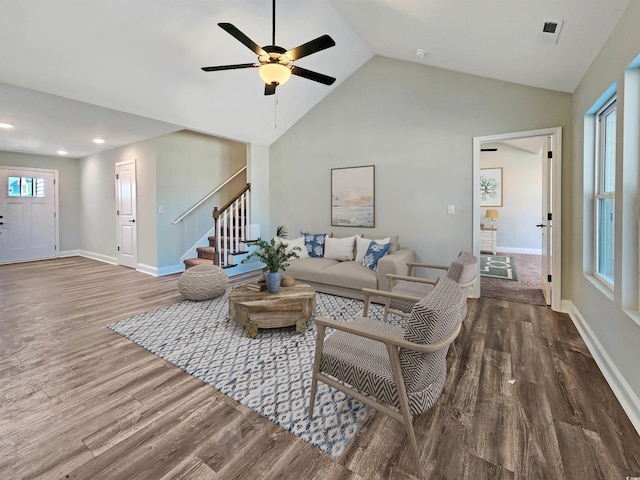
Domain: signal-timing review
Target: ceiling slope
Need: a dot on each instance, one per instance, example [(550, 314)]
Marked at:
[(144, 57)]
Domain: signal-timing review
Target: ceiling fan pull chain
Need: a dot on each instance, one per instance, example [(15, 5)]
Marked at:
[(275, 112)]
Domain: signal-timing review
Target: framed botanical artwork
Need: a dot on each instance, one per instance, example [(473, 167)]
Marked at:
[(352, 196), (491, 187)]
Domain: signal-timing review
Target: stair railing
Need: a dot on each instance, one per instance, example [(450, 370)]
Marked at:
[(230, 226), (208, 196)]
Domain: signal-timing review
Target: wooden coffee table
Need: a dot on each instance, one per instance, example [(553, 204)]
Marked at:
[(290, 306)]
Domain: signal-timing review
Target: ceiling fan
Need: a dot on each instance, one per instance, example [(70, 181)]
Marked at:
[(274, 62)]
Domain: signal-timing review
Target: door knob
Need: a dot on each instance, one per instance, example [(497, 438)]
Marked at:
[(542, 225), (132, 221)]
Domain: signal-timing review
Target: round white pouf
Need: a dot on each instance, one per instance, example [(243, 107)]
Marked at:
[(203, 282)]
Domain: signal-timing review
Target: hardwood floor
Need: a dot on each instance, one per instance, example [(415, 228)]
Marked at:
[(523, 400)]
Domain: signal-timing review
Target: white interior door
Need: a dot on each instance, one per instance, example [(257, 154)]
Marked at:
[(547, 218), (27, 214), (127, 253)]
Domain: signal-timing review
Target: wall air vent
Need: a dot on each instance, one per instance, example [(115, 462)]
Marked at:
[(550, 32)]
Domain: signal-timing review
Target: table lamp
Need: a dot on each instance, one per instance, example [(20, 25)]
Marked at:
[(492, 215)]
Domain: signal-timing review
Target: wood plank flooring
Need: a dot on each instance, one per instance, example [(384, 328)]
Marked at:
[(523, 400)]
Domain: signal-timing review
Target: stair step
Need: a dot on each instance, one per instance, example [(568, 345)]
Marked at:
[(208, 253), (192, 262)]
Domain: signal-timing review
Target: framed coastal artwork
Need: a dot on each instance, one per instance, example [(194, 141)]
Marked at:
[(352, 196), (491, 187)]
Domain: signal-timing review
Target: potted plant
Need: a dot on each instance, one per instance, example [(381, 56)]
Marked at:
[(275, 257)]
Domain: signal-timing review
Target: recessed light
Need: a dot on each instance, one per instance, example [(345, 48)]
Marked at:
[(421, 53), (98, 140), (6, 125), (62, 152)]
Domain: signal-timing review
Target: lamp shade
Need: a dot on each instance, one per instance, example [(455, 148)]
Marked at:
[(274, 73), (492, 214)]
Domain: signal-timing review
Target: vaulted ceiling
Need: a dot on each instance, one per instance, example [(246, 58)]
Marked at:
[(128, 70)]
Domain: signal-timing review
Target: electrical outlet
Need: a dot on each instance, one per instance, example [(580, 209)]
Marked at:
[(451, 209)]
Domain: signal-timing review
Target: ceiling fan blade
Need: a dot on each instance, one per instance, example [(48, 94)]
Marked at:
[(320, 43), (230, 67), (270, 89), (315, 76), (242, 38)]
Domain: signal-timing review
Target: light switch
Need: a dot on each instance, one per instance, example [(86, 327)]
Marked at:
[(451, 209)]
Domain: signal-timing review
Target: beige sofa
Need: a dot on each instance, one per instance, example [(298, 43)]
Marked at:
[(346, 277)]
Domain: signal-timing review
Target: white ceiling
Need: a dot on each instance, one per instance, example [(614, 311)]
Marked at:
[(133, 68)]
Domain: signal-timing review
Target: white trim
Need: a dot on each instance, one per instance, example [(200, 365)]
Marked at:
[(98, 256), (56, 201), (193, 252), (169, 270), (621, 389), (69, 253), (525, 251), (556, 137)]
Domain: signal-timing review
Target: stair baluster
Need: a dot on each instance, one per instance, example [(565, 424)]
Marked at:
[(229, 226)]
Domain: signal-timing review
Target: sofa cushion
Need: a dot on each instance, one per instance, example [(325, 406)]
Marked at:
[(314, 243), (349, 275), (374, 253), (310, 269), (297, 242), (362, 245), (339, 248), (393, 240)]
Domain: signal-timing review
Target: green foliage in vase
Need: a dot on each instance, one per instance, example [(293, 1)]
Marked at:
[(281, 231), (273, 254)]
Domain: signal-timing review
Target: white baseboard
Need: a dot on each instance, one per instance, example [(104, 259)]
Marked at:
[(526, 251), (69, 253), (170, 270), (621, 389), (98, 256)]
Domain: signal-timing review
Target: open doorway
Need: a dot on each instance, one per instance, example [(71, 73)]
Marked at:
[(517, 182), (510, 247)]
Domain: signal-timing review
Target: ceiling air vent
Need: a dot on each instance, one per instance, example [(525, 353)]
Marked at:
[(550, 32)]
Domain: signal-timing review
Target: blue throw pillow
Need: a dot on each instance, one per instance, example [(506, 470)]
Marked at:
[(314, 244), (374, 253)]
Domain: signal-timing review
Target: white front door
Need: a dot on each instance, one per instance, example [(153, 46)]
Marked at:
[(127, 253), (27, 214), (547, 216)]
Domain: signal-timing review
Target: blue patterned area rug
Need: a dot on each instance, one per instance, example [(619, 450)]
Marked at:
[(270, 374), (498, 266)]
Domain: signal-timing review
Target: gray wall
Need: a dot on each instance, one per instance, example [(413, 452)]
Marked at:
[(173, 172), (190, 166), (98, 202), (521, 207), (415, 124), (610, 319), (68, 188)]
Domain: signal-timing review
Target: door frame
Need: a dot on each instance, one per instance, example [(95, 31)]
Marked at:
[(119, 256), (56, 202), (556, 164)]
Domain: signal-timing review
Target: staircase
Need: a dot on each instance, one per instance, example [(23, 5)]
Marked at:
[(227, 245)]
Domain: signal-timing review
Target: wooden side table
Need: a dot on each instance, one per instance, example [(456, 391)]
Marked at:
[(290, 306)]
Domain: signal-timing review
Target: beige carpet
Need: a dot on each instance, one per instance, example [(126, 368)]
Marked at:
[(525, 290)]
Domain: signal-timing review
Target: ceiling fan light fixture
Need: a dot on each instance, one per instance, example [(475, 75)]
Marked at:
[(274, 73)]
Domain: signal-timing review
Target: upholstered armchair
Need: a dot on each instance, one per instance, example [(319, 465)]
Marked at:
[(399, 371), (463, 270)]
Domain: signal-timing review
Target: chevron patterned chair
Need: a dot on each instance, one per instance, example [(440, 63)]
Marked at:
[(463, 270), (399, 371)]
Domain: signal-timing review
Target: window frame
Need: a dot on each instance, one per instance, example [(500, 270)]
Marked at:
[(600, 188)]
